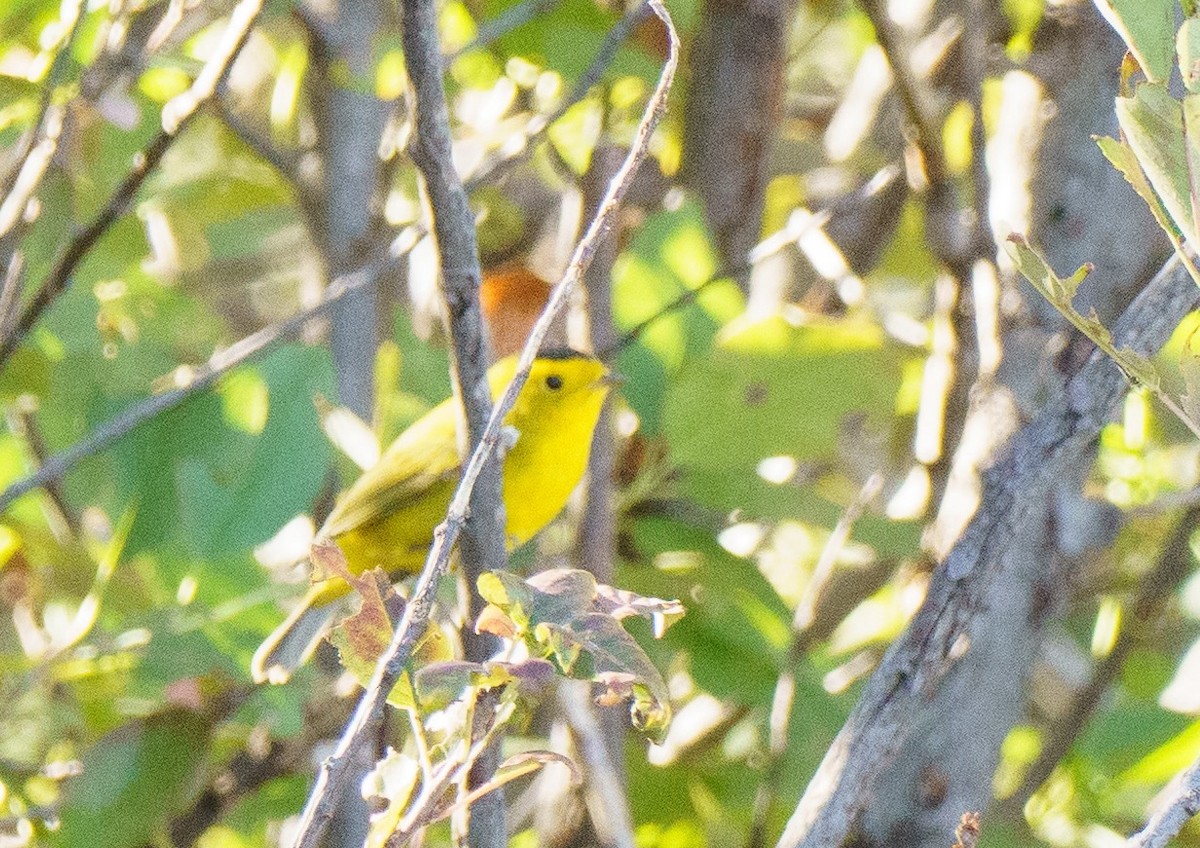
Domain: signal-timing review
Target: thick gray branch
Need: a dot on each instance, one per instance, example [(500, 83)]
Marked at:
[(1015, 491), (483, 540), (350, 122)]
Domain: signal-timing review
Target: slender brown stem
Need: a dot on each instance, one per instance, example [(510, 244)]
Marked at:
[(335, 771)]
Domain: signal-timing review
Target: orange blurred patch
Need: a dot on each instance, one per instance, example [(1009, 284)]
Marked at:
[(651, 36), (512, 297)]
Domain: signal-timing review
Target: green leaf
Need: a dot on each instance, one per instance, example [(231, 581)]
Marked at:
[(1152, 121), (611, 650), (440, 684), (556, 596), (1122, 157), (1148, 28), (562, 614), (147, 462), (774, 389), (1060, 292), (131, 781), (1187, 43)]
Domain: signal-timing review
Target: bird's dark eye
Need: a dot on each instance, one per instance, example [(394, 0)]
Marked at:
[(554, 382)]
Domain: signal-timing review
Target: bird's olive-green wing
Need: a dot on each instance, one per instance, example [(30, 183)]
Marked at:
[(424, 455)]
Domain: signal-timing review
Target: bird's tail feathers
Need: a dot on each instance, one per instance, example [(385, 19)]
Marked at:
[(291, 643)]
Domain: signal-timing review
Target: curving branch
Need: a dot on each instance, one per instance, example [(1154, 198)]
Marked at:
[(336, 770)]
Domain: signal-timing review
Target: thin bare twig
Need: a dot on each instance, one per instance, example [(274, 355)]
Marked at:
[(496, 28), (43, 120), (334, 772), (682, 301), (925, 134), (790, 233), (1182, 803), (601, 732), (285, 162), (538, 124), (427, 807), (199, 379), (23, 422), (176, 114), (785, 686), (57, 279)]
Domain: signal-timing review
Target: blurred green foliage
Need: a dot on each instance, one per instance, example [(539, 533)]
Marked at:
[(132, 599)]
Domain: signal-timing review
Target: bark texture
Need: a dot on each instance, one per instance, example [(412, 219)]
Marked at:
[(738, 62)]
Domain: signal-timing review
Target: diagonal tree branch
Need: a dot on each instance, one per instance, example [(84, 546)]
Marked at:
[(176, 115), (335, 771), (199, 379), (1183, 803), (1015, 491), (262, 340)]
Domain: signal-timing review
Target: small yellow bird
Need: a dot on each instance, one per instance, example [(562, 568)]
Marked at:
[(388, 516)]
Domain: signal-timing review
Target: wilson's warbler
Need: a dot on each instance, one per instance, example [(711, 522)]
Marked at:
[(388, 516)]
